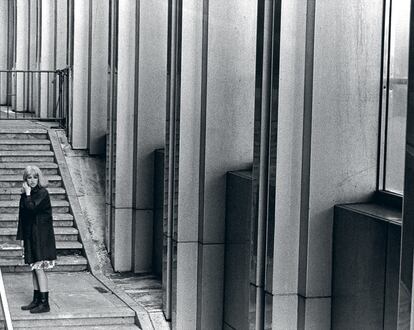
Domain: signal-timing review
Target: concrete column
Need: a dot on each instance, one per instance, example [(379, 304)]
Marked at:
[(33, 60), (216, 136), (289, 165), (150, 121), (327, 145), (4, 10), (22, 54), (47, 58), (33, 37), (98, 79), (125, 131), (61, 34), (80, 75)]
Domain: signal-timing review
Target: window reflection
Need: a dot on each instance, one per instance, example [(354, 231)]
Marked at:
[(397, 96)]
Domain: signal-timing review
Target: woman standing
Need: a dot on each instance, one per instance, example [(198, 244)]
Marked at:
[(35, 228)]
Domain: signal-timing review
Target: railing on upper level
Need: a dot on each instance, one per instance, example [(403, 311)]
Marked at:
[(32, 94), (5, 305)]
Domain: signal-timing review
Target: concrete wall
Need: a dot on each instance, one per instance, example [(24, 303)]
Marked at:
[(80, 75), (150, 122), (344, 131), (3, 49), (289, 164), (140, 122), (47, 57), (216, 135), (327, 144), (327, 135), (61, 34), (98, 98), (90, 64), (125, 130), (21, 60)]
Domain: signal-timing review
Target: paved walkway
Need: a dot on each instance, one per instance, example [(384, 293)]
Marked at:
[(145, 290), (76, 300), (88, 177)]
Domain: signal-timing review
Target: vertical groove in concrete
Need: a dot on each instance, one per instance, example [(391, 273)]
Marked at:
[(306, 148)]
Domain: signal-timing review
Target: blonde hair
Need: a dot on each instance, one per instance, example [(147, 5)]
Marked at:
[(34, 170)]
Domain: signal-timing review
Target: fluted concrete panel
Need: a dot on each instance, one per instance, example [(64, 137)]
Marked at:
[(152, 73), (318, 314), (122, 240), (125, 105), (143, 240), (99, 75), (216, 136), (189, 163), (61, 34), (285, 312), (210, 285), (3, 50), (80, 74), (327, 119), (289, 148), (33, 36), (47, 57), (125, 131), (151, 98), (230, 104), (22, 54), (187, 263), (33, 63), (344, 122)]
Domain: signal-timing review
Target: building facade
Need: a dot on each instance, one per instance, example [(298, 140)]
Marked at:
[(231, 130)]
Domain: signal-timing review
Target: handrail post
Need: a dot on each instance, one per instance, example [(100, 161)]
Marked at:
[(4, 304), (55, 81)]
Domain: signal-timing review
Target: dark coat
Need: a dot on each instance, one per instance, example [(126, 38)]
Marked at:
[(35, 226)]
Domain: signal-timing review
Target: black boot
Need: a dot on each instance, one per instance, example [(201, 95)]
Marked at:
[(43, 306), (34, 302)]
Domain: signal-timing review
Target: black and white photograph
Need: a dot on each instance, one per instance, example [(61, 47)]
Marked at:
[(207, 164)]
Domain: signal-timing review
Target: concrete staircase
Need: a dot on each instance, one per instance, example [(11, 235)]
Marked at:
[(20, 147), (78, 299)]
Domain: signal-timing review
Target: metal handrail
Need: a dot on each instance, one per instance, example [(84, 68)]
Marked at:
[(29, 71), (5, 305), (36, 94)]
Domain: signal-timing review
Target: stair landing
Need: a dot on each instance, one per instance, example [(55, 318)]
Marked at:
[(77, 300), (23, 143)]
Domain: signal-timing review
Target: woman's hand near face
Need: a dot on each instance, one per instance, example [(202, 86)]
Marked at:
[(26, 188)]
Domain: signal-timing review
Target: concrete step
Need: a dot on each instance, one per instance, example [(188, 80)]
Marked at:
[(12, 206), (61, 234), (97, 327), (8, 220), (11, 250), (10, 193), (23, 133), (15, 249), (68, 245), (16, 181), (18, 168), (77, 300), (31, 156), (73, 263), (113, 317), (24, 144)]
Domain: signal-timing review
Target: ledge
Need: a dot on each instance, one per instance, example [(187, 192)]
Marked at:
[(375, 210)]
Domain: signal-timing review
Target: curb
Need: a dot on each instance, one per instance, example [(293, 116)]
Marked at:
[(142, 317)]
